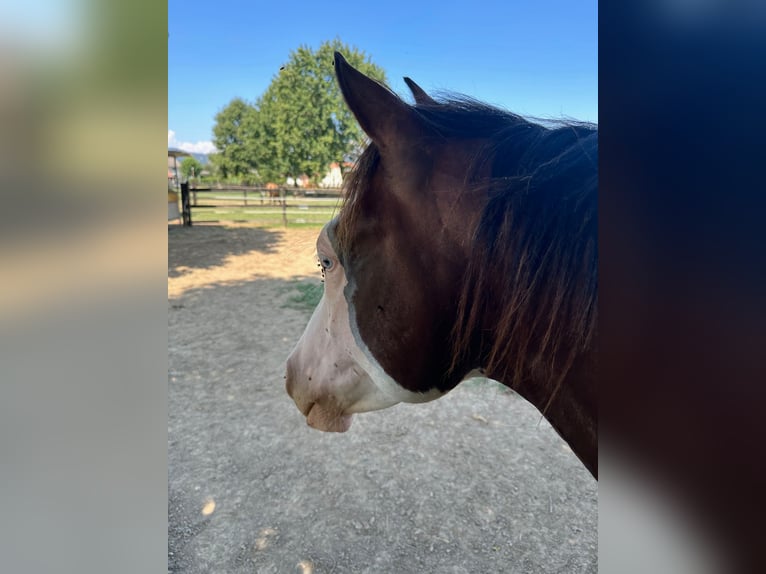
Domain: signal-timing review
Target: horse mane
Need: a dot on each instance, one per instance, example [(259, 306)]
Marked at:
[(529, 294), (353, 190)]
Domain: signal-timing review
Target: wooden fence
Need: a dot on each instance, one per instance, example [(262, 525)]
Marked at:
[(284, 206)]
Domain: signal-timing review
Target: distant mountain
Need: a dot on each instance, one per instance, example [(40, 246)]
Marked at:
[(201, 157)]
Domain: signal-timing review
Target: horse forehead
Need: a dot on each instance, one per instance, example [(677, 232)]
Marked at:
[(326, 239)]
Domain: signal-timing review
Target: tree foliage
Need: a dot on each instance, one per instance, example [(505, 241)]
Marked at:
[(191, 167), (299, 125), (233, 140)]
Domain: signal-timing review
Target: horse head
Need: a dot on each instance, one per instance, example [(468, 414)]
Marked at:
[(392, 263), (466, 241)]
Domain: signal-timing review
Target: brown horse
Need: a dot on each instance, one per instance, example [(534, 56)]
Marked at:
[(273, 193), (467, 243)]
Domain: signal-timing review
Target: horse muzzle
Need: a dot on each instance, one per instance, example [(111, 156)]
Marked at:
[(322, 412), (327, 419)]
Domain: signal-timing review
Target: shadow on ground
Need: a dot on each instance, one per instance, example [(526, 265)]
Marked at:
[(206, 246), (473, 482)]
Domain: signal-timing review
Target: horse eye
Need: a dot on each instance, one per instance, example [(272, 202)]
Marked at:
[(326, 263)]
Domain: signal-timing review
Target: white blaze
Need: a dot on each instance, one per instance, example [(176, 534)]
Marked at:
[(332, 373)]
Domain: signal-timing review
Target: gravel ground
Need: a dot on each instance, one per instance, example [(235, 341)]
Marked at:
[(475, 482)]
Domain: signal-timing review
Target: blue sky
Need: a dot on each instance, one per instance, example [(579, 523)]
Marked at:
[(535, 57)]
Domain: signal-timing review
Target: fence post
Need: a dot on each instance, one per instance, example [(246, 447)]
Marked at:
[(245, 192), (185, 207)]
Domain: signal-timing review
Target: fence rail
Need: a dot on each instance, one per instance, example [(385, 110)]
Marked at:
[(283, 206)]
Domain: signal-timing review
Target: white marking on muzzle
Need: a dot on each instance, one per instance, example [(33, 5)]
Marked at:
[(331, 372)]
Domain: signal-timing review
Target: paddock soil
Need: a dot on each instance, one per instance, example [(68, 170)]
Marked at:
[(475, 482)]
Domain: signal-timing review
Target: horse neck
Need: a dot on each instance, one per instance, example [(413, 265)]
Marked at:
[(572, 410)]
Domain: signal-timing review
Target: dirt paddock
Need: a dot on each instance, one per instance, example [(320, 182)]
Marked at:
[(475, 482)]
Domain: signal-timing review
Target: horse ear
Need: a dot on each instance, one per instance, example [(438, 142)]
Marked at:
[(381, 114), (419, 93)]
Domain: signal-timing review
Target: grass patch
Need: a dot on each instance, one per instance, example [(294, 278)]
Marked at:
[(264, 218), (307, 298), (221, 206)]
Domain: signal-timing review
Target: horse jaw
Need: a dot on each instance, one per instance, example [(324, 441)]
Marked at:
[(331, 374)]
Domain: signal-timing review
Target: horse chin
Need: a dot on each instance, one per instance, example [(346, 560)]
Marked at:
[(327, 420)]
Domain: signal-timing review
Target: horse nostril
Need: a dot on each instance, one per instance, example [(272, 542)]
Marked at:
[(289, 379)]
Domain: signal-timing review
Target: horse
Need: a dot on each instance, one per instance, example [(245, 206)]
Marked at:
[(273, 193), (466, 245)]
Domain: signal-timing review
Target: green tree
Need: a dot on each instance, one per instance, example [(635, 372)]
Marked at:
[(233, 140), (301, 123), (214, 166), (191, 167)]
